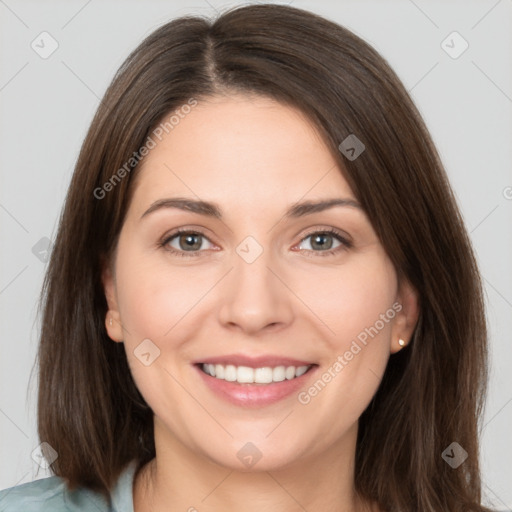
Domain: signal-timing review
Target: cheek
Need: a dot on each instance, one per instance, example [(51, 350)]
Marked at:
[(158, 303), (356, 304), (153, 304), (153, 299), (350, 299), (358, 308)]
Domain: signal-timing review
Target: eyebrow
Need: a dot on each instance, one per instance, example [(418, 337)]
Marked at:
[(211, 209)]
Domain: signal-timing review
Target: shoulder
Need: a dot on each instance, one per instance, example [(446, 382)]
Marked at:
[(50, 494)]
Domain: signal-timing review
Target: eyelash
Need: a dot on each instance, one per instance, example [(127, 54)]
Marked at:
[(345, 244)]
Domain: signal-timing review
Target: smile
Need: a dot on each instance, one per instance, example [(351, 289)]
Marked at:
[(254, 382), (247, 375)]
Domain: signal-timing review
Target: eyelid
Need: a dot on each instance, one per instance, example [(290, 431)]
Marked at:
[(345, 241), (164, 241), (331, 230), (344, 238)]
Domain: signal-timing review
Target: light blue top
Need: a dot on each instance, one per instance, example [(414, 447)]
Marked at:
[(51, 495)]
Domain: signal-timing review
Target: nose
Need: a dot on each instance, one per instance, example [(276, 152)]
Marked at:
[(256, 297)]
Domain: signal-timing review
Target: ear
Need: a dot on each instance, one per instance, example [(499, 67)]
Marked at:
[(407, 316), (113, 318)]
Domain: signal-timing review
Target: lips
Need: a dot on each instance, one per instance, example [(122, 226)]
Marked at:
[(254, 381)]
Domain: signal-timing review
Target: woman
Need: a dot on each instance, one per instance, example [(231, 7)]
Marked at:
[(262, 295)]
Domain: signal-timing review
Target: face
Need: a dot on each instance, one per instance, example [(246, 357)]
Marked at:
[(253, 288)]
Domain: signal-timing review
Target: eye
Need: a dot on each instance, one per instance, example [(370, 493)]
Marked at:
[(184, 242), (322, 242)]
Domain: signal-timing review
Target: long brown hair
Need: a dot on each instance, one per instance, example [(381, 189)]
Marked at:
[(433, 390)]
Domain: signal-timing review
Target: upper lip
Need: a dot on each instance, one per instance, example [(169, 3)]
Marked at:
[(254, 362)]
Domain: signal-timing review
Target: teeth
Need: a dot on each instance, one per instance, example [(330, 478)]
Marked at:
[(301, 371), (219, 371), (290, 372), (230, 373), (246, 375), (263, 375), (279, 374)]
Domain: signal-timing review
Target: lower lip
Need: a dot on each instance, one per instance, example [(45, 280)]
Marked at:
[(254, 395)]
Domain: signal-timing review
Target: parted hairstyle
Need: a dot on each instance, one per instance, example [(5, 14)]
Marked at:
[(433, 390)]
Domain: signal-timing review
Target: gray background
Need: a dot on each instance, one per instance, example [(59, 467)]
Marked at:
[(47, 104)]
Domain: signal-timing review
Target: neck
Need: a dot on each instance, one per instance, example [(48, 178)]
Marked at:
[(181, 479)]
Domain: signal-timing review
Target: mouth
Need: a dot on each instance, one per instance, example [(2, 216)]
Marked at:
[(248, 375), (254, 382)]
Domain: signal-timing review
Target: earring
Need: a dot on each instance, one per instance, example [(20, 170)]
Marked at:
[(110, 321), (401, 342)]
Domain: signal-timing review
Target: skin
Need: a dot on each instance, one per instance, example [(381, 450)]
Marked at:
[(254, 157)]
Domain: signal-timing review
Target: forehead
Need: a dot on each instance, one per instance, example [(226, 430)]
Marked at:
[(241, 149)]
